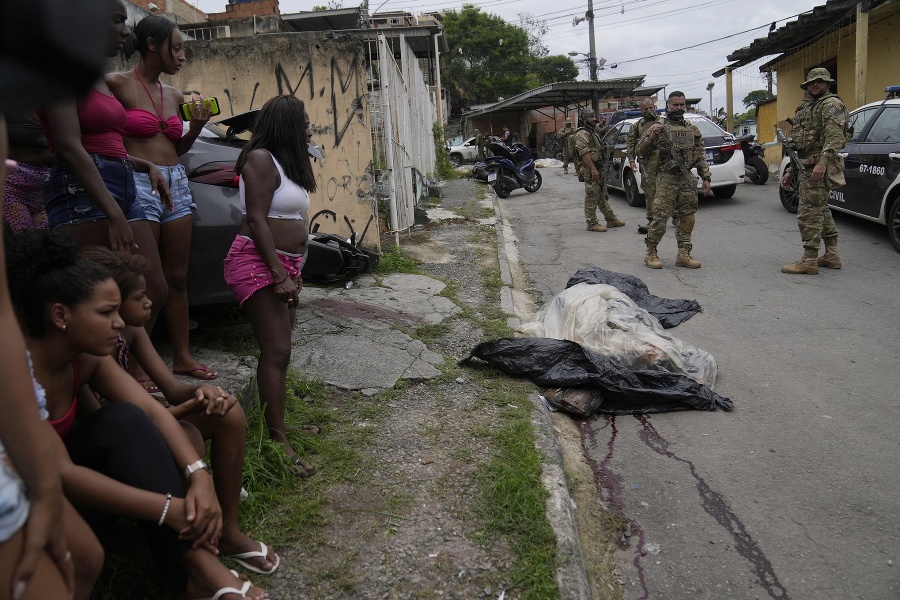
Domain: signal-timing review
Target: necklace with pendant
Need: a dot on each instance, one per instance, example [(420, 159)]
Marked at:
[(159, 111)]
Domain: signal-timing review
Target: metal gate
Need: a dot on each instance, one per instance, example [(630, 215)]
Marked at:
[(403, 113)]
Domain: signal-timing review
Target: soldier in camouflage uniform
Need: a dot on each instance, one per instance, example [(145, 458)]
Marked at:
[(818, 134), (650, 162), (593, 155), (680, 147), (567, 139)]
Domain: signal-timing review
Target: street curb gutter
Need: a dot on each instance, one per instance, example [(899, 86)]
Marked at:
[(571, 576)]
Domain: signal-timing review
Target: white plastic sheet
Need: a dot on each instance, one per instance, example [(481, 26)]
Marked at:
[(605, 320)]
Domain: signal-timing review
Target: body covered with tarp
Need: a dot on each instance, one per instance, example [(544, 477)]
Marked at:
[(605, 320), (564, 364)]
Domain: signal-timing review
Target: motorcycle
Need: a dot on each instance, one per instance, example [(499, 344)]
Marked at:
[(755, 167), (511, 167), (334, 259)]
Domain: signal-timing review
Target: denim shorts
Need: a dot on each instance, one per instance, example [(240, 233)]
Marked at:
[(13, 502), (68, 204), (177, 181)]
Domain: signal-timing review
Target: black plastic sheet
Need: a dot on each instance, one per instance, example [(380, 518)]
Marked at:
[(669, 312), (561, 363)]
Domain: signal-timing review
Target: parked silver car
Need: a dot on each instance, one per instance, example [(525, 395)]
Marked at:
[(214, 185), (723, 153)]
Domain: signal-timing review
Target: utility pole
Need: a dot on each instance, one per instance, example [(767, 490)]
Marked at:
[(595, 100)]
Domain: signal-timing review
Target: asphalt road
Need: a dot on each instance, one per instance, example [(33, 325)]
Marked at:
[(795, 493)]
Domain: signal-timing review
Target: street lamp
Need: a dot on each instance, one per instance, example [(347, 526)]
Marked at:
[(592, 63), (709, 88)]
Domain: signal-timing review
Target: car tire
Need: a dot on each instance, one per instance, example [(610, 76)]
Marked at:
[(724, 192), (456, 160), (790, 199), (559, 156), (535, 185), (757, 170), (632, 196), (893, 223)]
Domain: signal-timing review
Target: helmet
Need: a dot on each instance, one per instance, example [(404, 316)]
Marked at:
[(817, 73), (588, 112)]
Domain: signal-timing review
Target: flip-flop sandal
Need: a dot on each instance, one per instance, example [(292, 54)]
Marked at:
[(301, 468), (150, 389), (263, 551), (231, 590), (202, 372)]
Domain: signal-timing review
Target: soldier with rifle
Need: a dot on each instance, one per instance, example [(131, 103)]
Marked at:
[(649, 162), (818, 134), (593, 159), (680, 146)]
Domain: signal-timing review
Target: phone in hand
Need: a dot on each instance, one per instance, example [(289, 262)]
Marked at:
[(212, 102)]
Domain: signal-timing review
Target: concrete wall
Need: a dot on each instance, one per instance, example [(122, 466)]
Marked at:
[(328, 74), (178, 11)]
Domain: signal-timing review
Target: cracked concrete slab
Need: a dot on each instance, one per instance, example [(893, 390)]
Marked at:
[(349, 338)]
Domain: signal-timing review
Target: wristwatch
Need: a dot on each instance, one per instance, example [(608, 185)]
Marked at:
[(194, 467)]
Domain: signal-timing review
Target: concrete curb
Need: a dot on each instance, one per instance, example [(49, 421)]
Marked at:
[(571, 576)]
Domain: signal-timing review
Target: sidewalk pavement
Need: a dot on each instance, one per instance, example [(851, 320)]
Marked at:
[(352, 339)]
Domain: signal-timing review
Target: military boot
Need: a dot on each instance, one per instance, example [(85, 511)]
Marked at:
[(595, 227), (684, 260), (652, 260), (615, 223), (830, 259), (805, 266), (565, 170)]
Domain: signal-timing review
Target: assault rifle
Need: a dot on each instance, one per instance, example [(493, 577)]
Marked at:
[(788, 145), (677, 156)]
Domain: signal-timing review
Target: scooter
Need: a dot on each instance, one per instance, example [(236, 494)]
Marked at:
[(511, 167), (755, 167), (333, 259)]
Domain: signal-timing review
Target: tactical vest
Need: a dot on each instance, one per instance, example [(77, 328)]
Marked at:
[(808, 126)]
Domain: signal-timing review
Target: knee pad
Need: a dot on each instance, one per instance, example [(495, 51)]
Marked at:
[(686, 222)]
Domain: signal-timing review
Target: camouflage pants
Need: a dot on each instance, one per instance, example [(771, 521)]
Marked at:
[(675, 195), (648, 184), (814, 216), (568, 158), (596, 196)]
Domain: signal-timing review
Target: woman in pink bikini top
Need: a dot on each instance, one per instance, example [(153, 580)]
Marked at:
[(154, 132)]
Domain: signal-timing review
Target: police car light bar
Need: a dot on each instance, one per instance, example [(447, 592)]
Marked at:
[(893, 91)]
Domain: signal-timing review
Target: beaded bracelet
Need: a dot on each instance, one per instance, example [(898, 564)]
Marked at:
[(162, 517)]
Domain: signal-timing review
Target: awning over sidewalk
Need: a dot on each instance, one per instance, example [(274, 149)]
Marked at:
[(561, 94), (796, 34)]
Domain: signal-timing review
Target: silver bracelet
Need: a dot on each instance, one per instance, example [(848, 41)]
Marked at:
[(162, 517)]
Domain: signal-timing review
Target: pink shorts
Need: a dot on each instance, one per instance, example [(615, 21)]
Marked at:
[(246, 273)]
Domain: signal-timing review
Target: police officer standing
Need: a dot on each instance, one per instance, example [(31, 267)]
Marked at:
[(680, 147), (593, 155), (649, 162), (818, 134), (567, 139)]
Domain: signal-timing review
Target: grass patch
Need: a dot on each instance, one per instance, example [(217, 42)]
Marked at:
[(512, 500), (393, 261)]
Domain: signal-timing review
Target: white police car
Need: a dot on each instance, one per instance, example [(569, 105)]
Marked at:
[(723, 154), (871, 167)]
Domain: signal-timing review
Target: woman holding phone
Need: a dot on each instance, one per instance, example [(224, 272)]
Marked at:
[(154, 132)]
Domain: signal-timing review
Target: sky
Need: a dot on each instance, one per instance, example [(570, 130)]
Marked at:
[(628, 34)]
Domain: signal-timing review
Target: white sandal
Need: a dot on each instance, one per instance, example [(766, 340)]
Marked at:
[(230, 590), (261, 553)]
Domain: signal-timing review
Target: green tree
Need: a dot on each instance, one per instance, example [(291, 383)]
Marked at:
[(551, 69), (488, 58), (536, 30), (755, 97)]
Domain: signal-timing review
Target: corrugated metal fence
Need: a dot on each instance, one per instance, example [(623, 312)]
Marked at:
[(402, 112)]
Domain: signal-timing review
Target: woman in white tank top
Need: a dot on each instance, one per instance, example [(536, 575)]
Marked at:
[(263, 265)]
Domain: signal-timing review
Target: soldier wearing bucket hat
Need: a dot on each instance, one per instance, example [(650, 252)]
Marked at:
[(819, 132)]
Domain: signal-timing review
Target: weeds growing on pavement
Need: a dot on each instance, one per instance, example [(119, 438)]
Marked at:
[(393, 261)]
